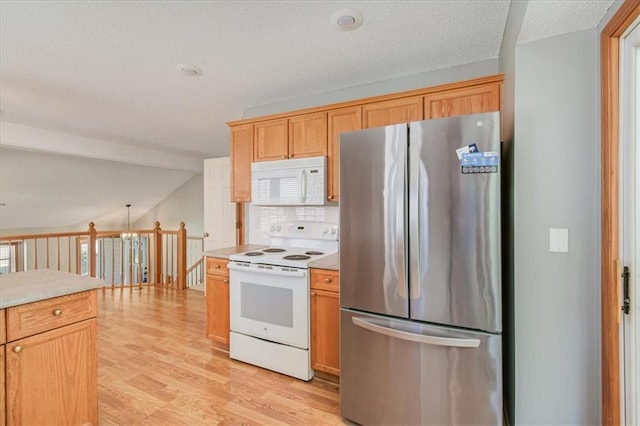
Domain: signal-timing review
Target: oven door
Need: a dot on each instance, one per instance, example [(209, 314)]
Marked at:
[(270, 302)]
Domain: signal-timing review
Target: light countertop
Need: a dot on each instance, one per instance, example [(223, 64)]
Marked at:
[(32, 286), (328, 262), (225, 252)]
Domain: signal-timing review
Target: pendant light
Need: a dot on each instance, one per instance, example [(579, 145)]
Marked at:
[(128, 235)]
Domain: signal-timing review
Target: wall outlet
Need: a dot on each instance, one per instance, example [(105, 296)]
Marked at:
[(558, 240)]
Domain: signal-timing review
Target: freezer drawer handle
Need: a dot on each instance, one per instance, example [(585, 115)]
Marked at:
[(419, 338)]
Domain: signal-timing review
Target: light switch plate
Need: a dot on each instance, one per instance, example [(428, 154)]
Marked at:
[(559, 240)]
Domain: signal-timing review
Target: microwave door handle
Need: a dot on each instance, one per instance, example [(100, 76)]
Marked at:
[(303, 186)]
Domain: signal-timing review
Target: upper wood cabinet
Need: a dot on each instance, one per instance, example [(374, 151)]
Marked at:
[(308, 135), (271, 140), (470, 100), (340, 121), (316, 131), (296, 137), (394, 111), (241, 158)]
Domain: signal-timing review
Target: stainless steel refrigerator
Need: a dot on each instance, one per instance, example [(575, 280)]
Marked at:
[(420, 273)]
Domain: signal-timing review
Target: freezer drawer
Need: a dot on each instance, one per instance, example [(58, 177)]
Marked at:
[(401, 372)]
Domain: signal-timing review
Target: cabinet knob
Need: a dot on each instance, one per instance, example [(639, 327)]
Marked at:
[(330, 197), (206, 234), (57, 312), (18, 349), (313, 293), (225, 281), (216, 266), (327, 280), (284, 156), (291, 156)]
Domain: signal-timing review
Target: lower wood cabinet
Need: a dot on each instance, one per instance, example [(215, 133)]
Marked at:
[(3, 412), (50, 361), (217, 301), (325, 321), (52, 377)]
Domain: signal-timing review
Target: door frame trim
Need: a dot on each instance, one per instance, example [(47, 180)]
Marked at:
[(610, 254)]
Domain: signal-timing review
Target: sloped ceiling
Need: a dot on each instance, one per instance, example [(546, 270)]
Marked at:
[(89, 75)]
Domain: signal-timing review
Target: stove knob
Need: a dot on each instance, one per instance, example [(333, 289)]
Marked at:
[(273, 228), (279, 228), (325, 230), (333, 231)]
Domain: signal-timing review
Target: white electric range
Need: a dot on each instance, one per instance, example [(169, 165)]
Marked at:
[(269, 297)]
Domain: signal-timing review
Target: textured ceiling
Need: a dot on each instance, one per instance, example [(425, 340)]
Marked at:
[(102, 74), (551, 18)]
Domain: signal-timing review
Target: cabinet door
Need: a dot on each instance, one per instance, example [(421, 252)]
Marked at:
[(471, 100), (241, 158), (395, 111), (218, 308), (3, 412), (271, 140), (62, 361), (308, 135), (340, 120), (3, 327), (325, 331)]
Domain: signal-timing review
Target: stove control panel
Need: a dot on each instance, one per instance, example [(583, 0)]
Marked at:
[(306, 230)]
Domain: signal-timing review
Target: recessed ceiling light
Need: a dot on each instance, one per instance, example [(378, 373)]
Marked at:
[(346, 19), (189, 70)]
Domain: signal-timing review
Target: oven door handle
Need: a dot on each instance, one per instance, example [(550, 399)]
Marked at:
[(253, 268)]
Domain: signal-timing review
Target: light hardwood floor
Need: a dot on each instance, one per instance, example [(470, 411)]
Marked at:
[(156, 367)]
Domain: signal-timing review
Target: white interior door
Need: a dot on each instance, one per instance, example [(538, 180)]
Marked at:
[(219, 212), (630, 220)]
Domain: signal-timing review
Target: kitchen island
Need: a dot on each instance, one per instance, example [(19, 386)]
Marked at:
[(48, 325)]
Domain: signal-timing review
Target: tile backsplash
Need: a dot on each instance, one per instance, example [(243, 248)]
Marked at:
[(260, 218)]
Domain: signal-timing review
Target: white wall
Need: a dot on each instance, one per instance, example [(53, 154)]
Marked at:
[(557, 185), (184, 205), (418, 81)]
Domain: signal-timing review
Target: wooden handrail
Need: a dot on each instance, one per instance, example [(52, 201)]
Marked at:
[(195, 265), (77, 252)]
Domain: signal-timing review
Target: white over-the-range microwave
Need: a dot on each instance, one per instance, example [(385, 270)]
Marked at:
[(295, 182)]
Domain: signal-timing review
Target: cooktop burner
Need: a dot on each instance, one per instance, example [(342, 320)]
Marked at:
[(254, 253), (313, 253), (297, 257), (273, 250)]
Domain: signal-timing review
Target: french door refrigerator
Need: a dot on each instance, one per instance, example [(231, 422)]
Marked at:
[(420, 278)]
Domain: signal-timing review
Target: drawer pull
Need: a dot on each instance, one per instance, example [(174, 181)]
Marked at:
[(18, 349), (327, 280), (57, 312)]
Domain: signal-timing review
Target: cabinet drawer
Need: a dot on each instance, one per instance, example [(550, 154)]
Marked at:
[(217, 266), (37, 317), (325, 279)]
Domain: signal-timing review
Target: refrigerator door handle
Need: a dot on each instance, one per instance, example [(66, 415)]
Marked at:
[(414, 211), (419, 338)]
